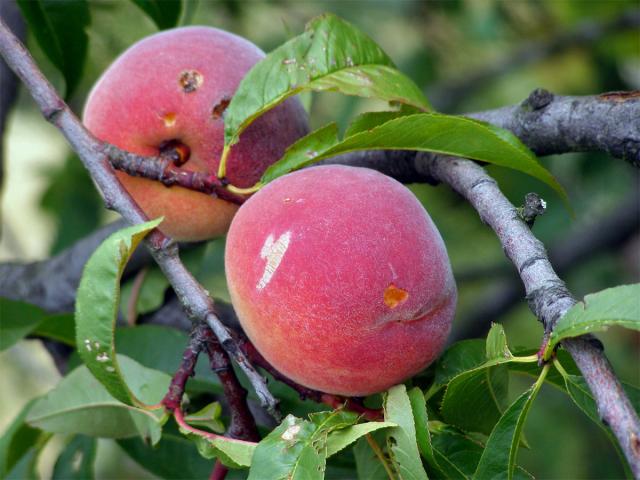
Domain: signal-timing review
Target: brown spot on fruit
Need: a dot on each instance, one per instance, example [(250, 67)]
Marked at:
[(169, 119), (220, 107), (394, 296), (190, 80), (176, 151)]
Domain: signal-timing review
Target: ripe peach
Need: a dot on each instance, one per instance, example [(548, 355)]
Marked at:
[(172, 89), (340, 279)]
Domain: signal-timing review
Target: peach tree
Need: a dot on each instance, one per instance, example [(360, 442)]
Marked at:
[(292, 388)]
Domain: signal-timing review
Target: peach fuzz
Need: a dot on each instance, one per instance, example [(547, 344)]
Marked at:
[(175, 86), (340, 279)]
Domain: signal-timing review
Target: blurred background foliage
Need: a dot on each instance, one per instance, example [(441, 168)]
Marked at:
[(48, 201)]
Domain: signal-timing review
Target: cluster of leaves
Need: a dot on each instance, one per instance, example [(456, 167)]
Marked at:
[(456, 420)]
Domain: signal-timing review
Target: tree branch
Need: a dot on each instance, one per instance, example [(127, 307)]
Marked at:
[(548, 296), (92, 152), (550, 124)]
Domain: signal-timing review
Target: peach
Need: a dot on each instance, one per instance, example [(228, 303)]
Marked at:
[(171, 89), (340, 279)]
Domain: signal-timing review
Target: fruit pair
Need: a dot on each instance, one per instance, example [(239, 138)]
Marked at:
[(338, 275)]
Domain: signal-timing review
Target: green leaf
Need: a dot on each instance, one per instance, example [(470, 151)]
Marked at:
[(419, 409), (76, 460), (232, 453), (304, 150), (474, 399), (18, 320), (150, 296), (208, 417), (368, 465), (16, 441), (61, 328), (497, 343), (578, 391), (428, 132), (341, 439), (330, 55), (59, 28), (457, 454), (161, 459), (402, 442), (79, 404), (297, 448), (97, 308), (618, 306), (499, 456), (458, 358), (164, 13)]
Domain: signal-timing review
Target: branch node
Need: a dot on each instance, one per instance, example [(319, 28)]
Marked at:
[(537, 100), (533, 206)]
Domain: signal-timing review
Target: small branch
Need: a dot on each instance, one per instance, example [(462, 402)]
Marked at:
[(242, 425), (448, 95), (551, 124), (197, 343), (219, 471), (548, 296), (92, 152), (606, 233), (165, 170)]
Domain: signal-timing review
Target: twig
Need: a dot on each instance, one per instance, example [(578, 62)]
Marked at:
[(92, 153), (11, 15), (242, 425), (136, 287), (197, 343), (548, 296), (448, 95), (165, 170), (219, 471), (607, 232)]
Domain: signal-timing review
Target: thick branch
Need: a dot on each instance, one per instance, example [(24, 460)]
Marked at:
[(92, 153), (550, 124), (606, 233), (548, 296)]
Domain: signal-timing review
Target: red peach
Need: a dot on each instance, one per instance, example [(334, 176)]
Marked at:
[(173, 87), (340, 279)]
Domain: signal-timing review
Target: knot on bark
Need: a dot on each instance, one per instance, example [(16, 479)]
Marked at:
[(537, 100), (546, 302), (533, 206)]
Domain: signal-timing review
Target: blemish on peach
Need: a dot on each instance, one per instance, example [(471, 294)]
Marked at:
[(272, 251), (394, 296), (220, 107), (169, 119), (190, 80)]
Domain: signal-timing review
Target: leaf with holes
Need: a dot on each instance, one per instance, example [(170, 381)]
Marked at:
[(97, 304), (297, 449)]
